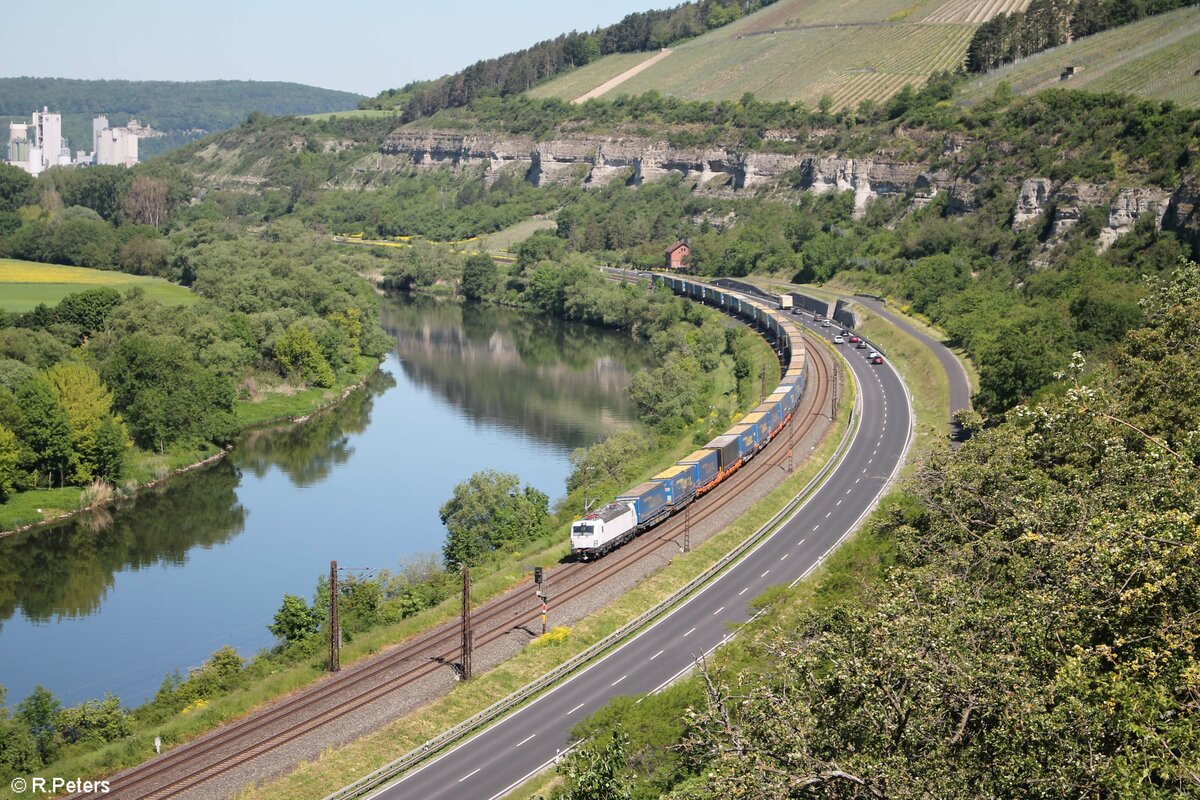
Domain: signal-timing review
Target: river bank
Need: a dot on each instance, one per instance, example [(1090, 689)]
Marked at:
[(26, 511)]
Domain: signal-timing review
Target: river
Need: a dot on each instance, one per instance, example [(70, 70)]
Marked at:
[(115, 602)]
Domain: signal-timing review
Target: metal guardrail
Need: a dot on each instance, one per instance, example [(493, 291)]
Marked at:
[(530, 690)]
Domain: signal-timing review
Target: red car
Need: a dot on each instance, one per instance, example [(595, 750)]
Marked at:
[(877, 360), (854, 340)]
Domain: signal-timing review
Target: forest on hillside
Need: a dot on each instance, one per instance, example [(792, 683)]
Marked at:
[(183, 111), (1049, 23), (513, 73)]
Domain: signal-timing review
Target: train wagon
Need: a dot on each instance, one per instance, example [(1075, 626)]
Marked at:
[(728, 448), (786, 395), (773, 413), (706, 468), (747, 440), (762, 427), (601, 531), (680, 482), (649, 501)]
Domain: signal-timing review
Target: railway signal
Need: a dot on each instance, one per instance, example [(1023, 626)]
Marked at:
[(539, 579)]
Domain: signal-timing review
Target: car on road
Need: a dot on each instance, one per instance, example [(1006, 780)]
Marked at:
[(826, 323), (855, 339), (878, 359), (838, 340), (845, 332), (862, 345)]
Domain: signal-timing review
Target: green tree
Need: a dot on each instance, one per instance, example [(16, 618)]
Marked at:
[(670, 394), (298, 353), (88, 310), (490, 511), (45, 429), (15, 186), (165, 395), (110, 450), (295, 621), (479, 277), (95, 721), (39, 712), (87, 403), (18, 750), (10, 459), (597, 771)]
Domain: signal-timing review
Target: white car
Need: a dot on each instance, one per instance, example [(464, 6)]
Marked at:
[(838, 340), (826, 324), (873, 354)]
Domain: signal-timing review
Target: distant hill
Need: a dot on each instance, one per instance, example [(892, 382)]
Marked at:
[(1156, 58), (183, 111), (848, 50)]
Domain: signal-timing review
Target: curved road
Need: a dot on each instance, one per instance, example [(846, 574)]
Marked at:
[(503, 756), (956, 374)]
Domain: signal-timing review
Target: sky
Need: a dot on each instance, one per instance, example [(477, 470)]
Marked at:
[(361, 46)]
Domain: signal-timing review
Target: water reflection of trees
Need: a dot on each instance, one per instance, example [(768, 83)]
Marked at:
[(308, 452), (550, 379), (66, 570)]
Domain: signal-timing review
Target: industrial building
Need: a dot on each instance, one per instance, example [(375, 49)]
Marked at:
[(38, 145)]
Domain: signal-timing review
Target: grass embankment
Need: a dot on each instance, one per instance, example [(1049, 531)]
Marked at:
[(144, 467), (502, 241), (357, 113), (580, 81), (25, 284), (344, 765)]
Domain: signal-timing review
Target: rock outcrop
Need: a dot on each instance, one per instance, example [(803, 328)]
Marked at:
[(1183, 212), (1067, 205), (1130, 206), (597, 161), (592, 161), (1032, 202), (1070, 202)]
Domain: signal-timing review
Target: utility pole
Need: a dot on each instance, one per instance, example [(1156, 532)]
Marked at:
[(467, 634), (762, 383), (687, 528), (834, 396), (335, 630), (791, 439)]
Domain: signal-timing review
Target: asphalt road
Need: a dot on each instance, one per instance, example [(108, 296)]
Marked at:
[(505, 755), (960, 386)]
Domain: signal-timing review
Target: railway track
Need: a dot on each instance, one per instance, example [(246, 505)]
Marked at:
[(189, 765)]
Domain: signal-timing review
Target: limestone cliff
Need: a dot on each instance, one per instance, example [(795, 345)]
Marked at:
[(595, 160)]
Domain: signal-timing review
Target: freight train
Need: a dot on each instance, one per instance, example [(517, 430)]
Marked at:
[(649, 503)]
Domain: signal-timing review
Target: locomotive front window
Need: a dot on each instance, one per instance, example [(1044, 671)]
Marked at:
[(584, 529)]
